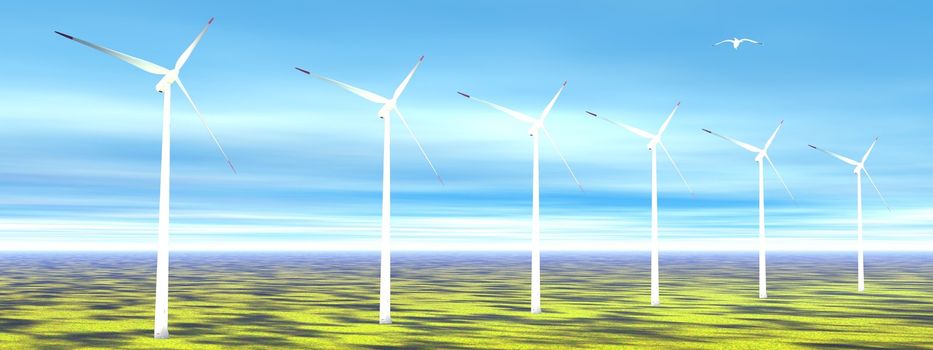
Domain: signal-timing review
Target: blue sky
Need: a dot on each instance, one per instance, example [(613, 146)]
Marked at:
[(80, 135)]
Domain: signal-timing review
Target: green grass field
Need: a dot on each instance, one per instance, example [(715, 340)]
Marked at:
[(466, 300)]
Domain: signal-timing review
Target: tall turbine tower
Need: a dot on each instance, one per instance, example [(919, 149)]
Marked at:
[(654, 140), (169, 77), (385, 113), (536, 125), (859, 168), (761, 153)]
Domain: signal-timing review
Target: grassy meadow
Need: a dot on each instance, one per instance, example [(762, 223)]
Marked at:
[(466, 300)]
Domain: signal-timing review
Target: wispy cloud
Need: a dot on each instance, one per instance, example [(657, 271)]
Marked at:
[(80, 134)]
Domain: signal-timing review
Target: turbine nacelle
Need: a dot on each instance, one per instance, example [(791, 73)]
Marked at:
[(654, 142), (761, 155), (858, 168), (386, 109), (167, 80), (535, 127)]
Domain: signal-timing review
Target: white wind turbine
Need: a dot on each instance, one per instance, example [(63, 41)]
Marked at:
[(169, 77), (761, 154), (859, 168), (536, 124), (385, 113), (654, 140)]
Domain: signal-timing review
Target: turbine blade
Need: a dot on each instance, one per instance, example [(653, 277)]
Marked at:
[(203, 121), (137, 62), (776, 172), (848, 160), (517, 115), (630, 128), (869, 150), (401, 87), (668, 120), (551, 104), (771, 139), (876, 189), (677, 169), (184, 55), (744, 145), (413, 137), (553, 143), (372, 97)]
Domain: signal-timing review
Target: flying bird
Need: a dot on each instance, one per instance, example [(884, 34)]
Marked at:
[(736, 42)]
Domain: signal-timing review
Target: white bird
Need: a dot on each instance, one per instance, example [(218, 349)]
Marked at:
[(736, 42)]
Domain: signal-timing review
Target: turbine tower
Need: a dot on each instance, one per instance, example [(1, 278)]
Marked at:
[(536, 124), (654, 140), (385, 113), (859, 168), (169, 77), (761, 153)]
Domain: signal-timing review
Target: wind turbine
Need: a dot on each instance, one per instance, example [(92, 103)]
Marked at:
[(169, 77), (388, 106), (536, 124), (859, 168), (761, 153), (654, 141)]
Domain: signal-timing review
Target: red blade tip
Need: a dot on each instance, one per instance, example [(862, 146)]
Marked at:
[(65, 35)]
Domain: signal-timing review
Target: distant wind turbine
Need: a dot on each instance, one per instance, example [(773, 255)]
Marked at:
[(736, 42), (536, 125), (385, 113), (762, 153), (169, 76), (654, 141), (859, 168)]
